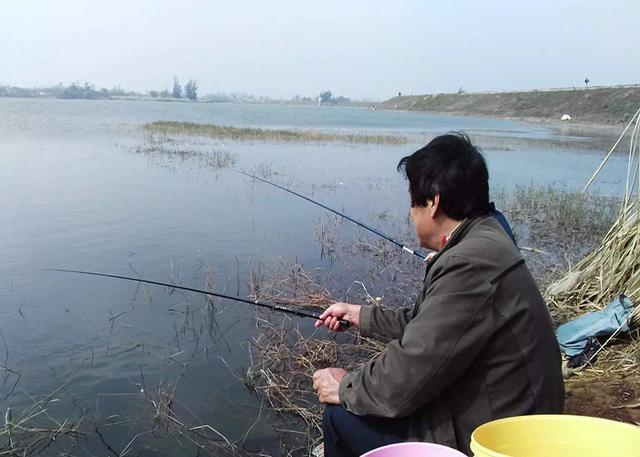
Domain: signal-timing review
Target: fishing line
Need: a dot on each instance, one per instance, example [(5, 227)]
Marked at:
[(361, 224), (344, 324)]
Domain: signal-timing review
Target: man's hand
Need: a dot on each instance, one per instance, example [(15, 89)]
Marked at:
[(326, 383), (332, 315)]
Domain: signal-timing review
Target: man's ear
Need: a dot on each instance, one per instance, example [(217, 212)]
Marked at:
[(434, 206)]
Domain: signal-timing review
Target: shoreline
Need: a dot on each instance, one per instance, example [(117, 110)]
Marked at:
[(604, 110), (571, 128)]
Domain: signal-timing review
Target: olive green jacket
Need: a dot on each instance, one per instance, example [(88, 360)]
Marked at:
[(478, 345)]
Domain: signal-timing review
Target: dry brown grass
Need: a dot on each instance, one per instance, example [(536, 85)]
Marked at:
[(284, 355), (33, 430), (613, 268)]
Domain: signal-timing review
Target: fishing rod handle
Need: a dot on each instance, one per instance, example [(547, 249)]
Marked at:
[(344, 324)]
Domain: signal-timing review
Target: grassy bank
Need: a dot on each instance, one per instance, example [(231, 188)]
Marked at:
[(255, 134), (606, 105)]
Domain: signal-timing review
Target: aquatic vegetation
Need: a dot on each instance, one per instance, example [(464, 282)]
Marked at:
[(574, 215), (34, 430), (264, 170), (206, 157), (247, 133)]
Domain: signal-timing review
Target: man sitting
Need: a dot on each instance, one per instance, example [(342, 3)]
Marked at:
[(479, 343)]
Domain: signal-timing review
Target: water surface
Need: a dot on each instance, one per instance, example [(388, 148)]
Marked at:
[(75, 194)]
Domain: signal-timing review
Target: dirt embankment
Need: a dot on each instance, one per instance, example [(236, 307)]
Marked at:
[(598, 105)]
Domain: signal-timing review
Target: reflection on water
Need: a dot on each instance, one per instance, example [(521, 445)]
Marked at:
[(75, 194)]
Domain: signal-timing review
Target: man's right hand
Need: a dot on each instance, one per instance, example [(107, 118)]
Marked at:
[(332, 315)]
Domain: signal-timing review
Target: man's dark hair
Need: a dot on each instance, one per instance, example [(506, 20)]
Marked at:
[(450, 165)]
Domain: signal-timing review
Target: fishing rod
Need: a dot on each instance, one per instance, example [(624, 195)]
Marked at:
[(361, 224), (344, 324)]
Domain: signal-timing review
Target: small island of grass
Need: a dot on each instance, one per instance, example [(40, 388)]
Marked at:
[(249, 133)]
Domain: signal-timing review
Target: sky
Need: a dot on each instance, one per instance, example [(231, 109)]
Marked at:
[(355, 48)]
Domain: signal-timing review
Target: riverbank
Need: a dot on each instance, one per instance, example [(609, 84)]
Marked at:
[(602, 106)]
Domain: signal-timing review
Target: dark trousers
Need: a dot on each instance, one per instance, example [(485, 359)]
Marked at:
[(347, 435)]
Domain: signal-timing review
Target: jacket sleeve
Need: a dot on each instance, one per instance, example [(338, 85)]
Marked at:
[(383, 324), (452, 326)]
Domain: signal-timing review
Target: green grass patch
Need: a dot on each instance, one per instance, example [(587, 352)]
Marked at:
[(247, 134)]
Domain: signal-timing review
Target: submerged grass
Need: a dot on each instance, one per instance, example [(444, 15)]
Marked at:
[(556, 227), (161, 146), (282, 135), (34, 430), (563, 224)]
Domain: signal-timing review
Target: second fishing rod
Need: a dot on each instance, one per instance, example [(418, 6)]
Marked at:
[(360, 224), (344, 324)]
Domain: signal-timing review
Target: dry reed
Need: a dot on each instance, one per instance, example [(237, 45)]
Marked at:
[(34, 429), (612, 269)]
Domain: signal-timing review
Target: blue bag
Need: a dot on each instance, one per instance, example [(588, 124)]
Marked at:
[(574, 335)]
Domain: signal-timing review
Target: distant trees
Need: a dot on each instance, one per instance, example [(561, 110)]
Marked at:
[(177, 88), (191, 90), (75, 90), (88, 91), (118, 92), (327, 98)]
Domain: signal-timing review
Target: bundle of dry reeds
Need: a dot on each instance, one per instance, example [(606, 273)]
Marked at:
[(285, 356), (614, 267)]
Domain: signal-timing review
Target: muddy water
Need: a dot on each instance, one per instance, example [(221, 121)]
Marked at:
[(74, 194)]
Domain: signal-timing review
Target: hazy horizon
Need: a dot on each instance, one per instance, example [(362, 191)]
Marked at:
[(362, 50)]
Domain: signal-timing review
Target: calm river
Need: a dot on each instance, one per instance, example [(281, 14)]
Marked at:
[(75, 194)]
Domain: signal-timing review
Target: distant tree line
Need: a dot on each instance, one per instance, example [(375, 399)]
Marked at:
[(89, 91), (190, 90), (72, 91), (327, 98)]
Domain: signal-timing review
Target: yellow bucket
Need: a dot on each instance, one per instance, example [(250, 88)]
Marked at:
[(555, 436)]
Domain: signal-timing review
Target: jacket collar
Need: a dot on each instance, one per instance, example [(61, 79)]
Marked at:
[(458, 234)]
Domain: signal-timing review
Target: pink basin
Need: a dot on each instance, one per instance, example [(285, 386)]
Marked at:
[(414, 450)]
